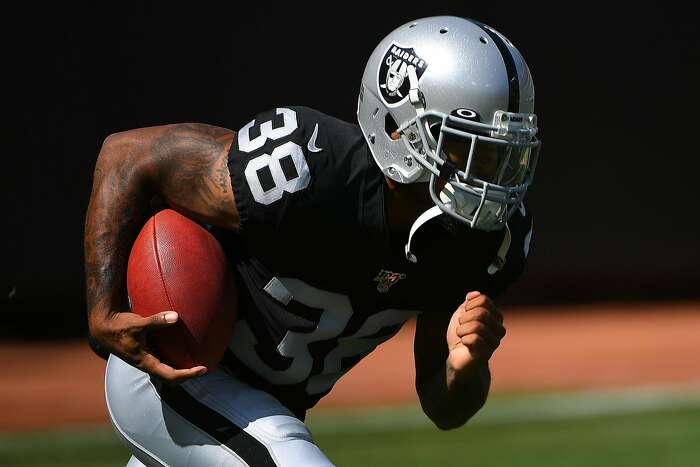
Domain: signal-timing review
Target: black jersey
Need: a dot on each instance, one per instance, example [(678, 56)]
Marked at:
[(323, 278)]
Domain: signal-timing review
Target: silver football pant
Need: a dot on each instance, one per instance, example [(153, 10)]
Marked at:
[(213, 421)]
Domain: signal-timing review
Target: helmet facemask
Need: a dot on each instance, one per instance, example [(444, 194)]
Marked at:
[(486, 168)]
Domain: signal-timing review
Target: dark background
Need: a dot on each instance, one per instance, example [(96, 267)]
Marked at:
[(615, 198)]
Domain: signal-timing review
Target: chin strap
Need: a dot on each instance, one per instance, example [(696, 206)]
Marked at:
[(496, 265), (431, 213), (500, 260)]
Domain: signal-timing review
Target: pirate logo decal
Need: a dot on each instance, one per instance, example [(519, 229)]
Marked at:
[(400, 65)]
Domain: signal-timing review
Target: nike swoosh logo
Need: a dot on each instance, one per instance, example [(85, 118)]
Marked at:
[(312, 142)]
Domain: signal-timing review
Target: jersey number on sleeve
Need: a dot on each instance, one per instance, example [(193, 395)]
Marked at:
[(284, 169)]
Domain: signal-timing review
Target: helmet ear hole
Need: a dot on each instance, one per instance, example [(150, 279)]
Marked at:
[(390, 125)]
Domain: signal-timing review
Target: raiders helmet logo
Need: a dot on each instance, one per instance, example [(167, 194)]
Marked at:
[(399, 66)]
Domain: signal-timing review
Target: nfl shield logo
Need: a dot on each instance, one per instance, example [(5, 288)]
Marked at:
[(386, 279)]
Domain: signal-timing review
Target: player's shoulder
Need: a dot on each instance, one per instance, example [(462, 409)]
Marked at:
[(311, 129), (311, 115), (288, 161), (300, 118)]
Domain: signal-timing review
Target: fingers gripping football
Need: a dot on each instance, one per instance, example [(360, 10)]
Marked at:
[(151, 363), (126, 333)]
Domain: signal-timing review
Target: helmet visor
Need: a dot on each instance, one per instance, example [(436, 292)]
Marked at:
[(490, 162)]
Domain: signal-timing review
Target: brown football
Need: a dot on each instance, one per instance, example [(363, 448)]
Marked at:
[(175, 264)]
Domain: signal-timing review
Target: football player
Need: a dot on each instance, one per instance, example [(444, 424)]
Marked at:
[(340, 233)]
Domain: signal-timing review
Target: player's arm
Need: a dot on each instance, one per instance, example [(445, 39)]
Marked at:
[(451, 355), (182, 164)]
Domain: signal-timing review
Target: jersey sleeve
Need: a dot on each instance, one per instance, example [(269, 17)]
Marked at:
[(289, 164)]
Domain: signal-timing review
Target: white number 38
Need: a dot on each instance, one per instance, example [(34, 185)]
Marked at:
[(266, 174)]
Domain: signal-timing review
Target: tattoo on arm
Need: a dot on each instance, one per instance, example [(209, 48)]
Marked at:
[(186, 164), (117, 204), (192, 171)]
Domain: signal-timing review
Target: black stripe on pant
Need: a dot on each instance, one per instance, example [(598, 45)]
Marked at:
[(252, 451)]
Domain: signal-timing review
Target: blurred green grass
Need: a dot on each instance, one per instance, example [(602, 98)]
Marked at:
[(527, 431), (653, 439)]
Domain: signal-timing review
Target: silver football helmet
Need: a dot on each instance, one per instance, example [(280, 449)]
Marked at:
[(461, 98)]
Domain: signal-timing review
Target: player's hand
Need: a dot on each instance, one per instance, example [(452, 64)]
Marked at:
[(124, 335), (474, 333)]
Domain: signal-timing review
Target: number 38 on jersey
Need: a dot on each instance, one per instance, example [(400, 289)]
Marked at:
[(284, 169)]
